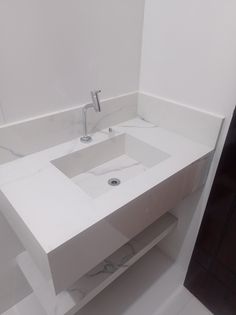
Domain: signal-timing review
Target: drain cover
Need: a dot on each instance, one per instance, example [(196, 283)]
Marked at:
[(114, 181)]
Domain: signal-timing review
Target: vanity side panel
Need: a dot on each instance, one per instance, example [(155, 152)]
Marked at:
[(25, 236)]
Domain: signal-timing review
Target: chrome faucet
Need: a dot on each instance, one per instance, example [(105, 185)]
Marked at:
[(97, 107)]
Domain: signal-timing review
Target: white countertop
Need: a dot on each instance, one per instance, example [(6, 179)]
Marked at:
[(55, 209)]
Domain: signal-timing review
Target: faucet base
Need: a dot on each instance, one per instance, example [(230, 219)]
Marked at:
[(86, 139)]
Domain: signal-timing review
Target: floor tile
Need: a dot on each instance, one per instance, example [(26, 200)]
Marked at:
[(28, 306), (175, 304), (194, 307)]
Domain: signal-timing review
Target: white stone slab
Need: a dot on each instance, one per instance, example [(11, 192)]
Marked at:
[(56, 220)]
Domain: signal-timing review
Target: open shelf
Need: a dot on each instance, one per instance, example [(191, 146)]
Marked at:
[(87, 287)]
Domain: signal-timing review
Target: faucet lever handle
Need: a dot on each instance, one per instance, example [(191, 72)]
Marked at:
[(96, 100)]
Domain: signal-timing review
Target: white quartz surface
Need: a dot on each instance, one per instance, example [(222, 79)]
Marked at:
[(55, 209)]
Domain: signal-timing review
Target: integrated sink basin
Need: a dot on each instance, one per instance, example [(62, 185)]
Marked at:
[(76, 204), (106, 165)]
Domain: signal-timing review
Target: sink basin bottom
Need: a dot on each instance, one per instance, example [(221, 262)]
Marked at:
[(95, 181)]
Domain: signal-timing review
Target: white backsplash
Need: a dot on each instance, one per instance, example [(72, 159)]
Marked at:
[(26, 137), (32, 135), (190, 122), (36, 134)]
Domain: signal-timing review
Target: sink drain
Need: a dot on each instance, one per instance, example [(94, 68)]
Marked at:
[(114, 181)]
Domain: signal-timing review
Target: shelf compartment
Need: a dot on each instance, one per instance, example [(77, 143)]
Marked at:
[(86, 288)]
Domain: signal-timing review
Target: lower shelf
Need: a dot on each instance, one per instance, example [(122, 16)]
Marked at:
[(85, 289)]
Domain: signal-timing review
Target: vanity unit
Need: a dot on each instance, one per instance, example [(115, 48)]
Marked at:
[(86, 212)]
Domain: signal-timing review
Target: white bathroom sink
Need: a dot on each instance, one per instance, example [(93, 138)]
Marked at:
[(108, 164), (70, 219)]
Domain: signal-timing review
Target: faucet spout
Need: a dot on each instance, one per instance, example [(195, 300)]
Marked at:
[(97, 107), (96, 101)]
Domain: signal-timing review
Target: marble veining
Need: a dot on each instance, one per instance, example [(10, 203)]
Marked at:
[(77, 291), (97, 126), (3, 115), (195, 124), (111, 265), (12, 151), (139, 124), (99, 171), (95, 181)]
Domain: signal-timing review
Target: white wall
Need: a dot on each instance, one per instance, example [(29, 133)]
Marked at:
[(189, 51), (53, 52)]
